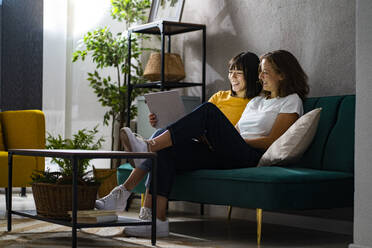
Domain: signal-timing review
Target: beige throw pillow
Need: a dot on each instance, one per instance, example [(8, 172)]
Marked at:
[(293, 143)]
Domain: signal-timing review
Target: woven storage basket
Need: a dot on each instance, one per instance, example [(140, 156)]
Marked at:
[(173, 67), (53, 200), (108, 180)]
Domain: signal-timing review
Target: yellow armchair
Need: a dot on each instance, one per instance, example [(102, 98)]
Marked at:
[(22, 129)]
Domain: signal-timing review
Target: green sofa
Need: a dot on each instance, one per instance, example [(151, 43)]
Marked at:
[(323, 178)]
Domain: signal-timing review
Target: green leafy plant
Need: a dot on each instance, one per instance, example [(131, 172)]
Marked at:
[(84, 139), (109, 50)]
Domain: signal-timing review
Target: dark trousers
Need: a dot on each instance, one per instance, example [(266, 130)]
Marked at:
[(226, 149)]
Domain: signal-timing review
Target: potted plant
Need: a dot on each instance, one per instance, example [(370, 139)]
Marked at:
[(53, 191)]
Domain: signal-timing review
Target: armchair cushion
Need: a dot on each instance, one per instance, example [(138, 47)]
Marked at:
[(2, 146), (21, 129)]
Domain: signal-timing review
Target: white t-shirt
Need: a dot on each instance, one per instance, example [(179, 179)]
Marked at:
[(260, 114)]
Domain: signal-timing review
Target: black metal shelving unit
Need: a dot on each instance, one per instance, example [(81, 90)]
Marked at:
[(166, 28)]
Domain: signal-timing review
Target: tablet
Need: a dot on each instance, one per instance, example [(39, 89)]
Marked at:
[(166, 105)]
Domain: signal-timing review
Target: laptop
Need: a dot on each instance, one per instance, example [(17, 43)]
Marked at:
[(167, 106)]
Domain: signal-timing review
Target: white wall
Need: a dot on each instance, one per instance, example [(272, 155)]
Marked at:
[(363, 154)]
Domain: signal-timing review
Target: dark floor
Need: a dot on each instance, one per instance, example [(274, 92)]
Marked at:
[(219, 232)]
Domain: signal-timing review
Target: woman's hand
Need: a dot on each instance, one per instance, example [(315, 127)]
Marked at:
[(152, 120)]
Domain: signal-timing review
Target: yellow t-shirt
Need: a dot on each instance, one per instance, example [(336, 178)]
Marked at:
[(231, 106)]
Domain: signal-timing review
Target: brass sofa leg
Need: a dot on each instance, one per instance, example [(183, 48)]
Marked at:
[(229, 212), (142, 199), (259, 224)]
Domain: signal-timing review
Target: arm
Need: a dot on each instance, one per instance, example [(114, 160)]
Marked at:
[(281, 124)]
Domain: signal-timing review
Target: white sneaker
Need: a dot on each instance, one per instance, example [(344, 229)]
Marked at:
[(145, 213), (116, 200), (133, 143), (162, 230)]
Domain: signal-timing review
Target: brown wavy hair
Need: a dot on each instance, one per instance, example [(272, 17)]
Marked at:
[(247, 62), (295, 79)]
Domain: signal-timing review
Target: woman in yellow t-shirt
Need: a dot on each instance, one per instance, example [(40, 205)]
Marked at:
[(244, 85)]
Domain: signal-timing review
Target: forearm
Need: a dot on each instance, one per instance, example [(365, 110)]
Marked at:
[(261, 143)]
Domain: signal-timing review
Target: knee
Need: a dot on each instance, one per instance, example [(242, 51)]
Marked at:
[(209, 106)]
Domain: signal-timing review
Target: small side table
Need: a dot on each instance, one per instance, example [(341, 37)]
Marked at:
[(75, 156)]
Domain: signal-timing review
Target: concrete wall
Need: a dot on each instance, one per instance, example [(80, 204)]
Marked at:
[(321, 34), (363, 154)]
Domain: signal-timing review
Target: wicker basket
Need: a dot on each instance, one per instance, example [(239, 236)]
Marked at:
[(108, 180), (54, 201), (173, 67)]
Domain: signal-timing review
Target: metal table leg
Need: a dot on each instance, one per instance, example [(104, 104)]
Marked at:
[(9, 192)]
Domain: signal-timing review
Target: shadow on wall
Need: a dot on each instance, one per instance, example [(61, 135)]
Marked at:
[(221, 28)]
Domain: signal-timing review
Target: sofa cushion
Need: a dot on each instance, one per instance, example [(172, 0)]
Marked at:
[(339, 150), (313, 156), (292, 144), (269, 188)]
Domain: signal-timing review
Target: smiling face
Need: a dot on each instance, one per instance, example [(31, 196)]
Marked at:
[(237, 81), (270, 78)]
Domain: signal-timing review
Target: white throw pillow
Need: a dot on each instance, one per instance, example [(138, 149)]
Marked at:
[(293, 143)]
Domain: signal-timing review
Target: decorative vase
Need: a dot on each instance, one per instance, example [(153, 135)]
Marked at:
[(173, 67)]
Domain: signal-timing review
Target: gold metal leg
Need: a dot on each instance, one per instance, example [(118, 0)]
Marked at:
[(229, 212), (142, 199), (259, 225)]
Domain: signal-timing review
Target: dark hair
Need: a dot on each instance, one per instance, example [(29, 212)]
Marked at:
[(295, 79), (247, 62)]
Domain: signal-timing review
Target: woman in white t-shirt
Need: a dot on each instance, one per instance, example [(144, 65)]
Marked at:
[(264, 120)]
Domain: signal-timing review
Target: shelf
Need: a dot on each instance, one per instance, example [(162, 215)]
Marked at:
[(170, 28), (122, 220), (166, 28), (166, 85)]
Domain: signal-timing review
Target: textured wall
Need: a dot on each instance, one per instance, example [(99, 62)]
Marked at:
[(363, 154), (22, 54), (321, 34)]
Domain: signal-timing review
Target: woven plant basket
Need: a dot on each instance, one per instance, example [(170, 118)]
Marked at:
[(173, 67), (108, 180), (54, 201)]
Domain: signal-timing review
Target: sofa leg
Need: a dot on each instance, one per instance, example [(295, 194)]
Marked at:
[(142, 199), (229, 209), (201, 209), (259, 224)]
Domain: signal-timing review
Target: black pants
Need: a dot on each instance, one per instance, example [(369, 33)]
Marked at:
[(226, 149)]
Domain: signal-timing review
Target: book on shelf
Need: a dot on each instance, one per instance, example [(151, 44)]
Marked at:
[(93, 213), (95, 216), (97, 219)]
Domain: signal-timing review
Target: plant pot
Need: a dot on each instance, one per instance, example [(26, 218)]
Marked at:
[(108, 180), (54, 201)]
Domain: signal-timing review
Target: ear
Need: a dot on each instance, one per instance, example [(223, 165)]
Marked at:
[(281, 76)]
